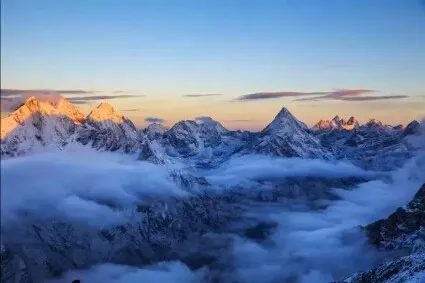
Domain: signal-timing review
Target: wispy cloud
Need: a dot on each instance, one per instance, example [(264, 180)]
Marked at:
[(367, 98), (14, 92), (75, 91), (357, 94), (86, 99), (352, 95), (130, 110), (202, 95), (274, 95), (154, 120), (339, 94)]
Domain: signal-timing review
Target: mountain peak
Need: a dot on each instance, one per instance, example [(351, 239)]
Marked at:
[(284, 122), (352, 120), (337, 123), (105, 111), (284, 112), (336, 118), (374, 122), (65, 107), (105, 106), (210, 124)]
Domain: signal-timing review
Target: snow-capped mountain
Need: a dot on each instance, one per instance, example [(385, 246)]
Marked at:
[(337, 124), (154, 131), (412, 128), (106, 129), (202, 142), (37, 124), (372, 145), (287, 136)]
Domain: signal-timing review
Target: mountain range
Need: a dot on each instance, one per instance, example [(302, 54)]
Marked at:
[(203, 143), (178, 229)]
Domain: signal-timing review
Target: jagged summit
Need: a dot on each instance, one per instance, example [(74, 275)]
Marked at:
[(337, 124), (374, 123)]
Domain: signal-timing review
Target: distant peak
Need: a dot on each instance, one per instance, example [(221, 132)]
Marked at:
[(284, 121), (32, 98), (374, 122), (106, 106), (283, 112), (105, 111), (352, 120), (336, 118)]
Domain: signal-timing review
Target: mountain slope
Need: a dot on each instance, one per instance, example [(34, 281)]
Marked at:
[(288, 137), (106, 129), (404, 230), (370, 146), (37, 124)]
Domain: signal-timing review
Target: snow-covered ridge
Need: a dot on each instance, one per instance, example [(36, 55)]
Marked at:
[(201, 142), (338, 124)]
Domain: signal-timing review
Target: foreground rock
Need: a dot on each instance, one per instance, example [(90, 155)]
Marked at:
[(402, 232)]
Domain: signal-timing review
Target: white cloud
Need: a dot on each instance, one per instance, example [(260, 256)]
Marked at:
[(174, 272), (84, 187)]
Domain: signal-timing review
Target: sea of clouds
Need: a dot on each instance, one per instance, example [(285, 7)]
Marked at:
[(308, 245)]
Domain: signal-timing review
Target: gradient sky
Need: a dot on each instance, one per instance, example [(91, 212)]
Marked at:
[(164, 50)]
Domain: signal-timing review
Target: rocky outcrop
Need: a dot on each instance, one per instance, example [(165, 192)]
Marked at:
[(404, 232)]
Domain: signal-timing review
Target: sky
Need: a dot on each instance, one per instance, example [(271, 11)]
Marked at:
[(238, 61)]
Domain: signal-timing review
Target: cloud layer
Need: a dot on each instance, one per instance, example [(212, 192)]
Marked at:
[(84, 186), (174, 272), (260, 168), (274, 95), (320, 245), (86, 99)]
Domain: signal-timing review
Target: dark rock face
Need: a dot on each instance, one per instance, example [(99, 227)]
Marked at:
[(403, 231), (402, 223), (412, 128), (400, 270)]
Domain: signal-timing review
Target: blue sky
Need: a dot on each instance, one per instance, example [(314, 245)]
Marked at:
[(165, 49)]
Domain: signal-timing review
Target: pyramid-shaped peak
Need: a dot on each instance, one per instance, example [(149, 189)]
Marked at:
[(284, 121), (284, 112), (105, 106), (105, 111)]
